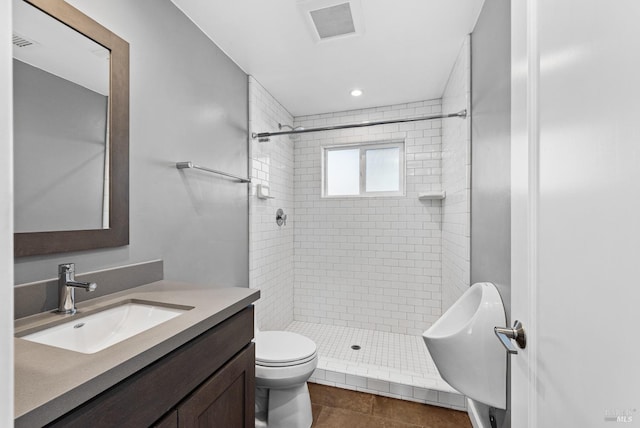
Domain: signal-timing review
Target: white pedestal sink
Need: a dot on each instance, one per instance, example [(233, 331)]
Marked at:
[(94, 332)]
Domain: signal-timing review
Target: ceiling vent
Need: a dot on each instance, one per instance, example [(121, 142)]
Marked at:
[(333, 21), (21, 41)]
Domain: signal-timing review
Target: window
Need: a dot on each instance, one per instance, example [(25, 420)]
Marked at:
[(363, 170)]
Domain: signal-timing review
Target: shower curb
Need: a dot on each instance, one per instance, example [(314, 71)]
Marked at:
[(387, 388)]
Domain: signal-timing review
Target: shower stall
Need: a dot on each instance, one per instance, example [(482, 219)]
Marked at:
[(363, 276)]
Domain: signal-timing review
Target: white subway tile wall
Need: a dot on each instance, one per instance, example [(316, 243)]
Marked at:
[(456, 179), (369, 262), (271, 246)]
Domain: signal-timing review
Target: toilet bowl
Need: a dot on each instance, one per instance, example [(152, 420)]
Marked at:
[(284, 363), (465, 349)]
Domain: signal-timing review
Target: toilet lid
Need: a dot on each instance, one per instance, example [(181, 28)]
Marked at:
[(278, 347)]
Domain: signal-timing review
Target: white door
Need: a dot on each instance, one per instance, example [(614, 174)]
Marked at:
[(6, 218), (576, 212)]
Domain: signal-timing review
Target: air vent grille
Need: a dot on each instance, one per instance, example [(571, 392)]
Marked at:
[(22, 42), (333, 21)]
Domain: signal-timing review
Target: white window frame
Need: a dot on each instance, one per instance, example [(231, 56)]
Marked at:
[(363, 147)]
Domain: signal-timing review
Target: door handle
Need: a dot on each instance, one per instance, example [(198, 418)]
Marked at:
[(506, 334)]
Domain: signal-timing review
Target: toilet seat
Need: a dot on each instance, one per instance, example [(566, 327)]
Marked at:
[(285, 364), (283, 349)]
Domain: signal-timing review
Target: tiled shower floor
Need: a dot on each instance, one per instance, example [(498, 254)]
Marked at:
[(389, 364)]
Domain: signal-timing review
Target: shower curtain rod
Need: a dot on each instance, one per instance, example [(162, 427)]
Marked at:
[(264, 136)]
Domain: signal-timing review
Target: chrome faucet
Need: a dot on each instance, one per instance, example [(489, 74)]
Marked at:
[(67, 286)]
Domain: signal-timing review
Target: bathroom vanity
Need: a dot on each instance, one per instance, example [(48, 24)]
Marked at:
[(197, 368)]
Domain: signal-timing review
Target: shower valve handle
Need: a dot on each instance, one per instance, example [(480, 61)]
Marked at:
[(516, 333), (281, 217)]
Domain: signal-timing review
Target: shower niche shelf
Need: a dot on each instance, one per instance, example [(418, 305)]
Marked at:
[(434, 195)]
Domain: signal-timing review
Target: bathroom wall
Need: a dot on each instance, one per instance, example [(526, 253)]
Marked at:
[(491, 129), (372, 262), (271, 246), (491, 153), (456, 181), (188, 102), (6, 219)]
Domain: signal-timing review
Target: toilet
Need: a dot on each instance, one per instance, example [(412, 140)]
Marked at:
[(284, 363)]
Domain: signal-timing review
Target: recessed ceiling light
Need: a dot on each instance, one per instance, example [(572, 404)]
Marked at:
[(356, 92)]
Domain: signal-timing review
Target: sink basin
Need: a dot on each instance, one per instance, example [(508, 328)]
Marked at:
[(96, 331)]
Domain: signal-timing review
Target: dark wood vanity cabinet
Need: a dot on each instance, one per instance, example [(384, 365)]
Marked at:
[(208, 382), (225, 400)]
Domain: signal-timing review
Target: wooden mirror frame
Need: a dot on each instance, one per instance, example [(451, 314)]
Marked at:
[(36, 243)]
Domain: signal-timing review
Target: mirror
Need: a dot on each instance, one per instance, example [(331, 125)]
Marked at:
[(70, 131), (60, 99)]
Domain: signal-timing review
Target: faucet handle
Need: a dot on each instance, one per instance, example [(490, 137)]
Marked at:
[(66, 267)]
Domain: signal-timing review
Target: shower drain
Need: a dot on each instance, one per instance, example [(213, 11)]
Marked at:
[(355, 347), (78, 325)]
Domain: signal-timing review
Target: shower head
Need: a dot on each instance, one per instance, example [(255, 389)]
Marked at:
[(265, 138), (297, 128)]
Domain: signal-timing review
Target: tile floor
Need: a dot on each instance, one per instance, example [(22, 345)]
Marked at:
[(337, 408), (388, 364)]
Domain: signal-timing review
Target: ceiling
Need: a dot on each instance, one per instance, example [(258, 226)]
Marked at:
[(403, 50)]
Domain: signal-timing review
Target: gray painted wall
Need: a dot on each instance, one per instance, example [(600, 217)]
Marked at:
[(491, 157), (490, 151), (59, 132), (188, 102)]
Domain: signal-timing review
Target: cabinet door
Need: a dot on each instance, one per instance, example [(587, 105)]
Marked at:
[(169, 421), (226, 399)]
